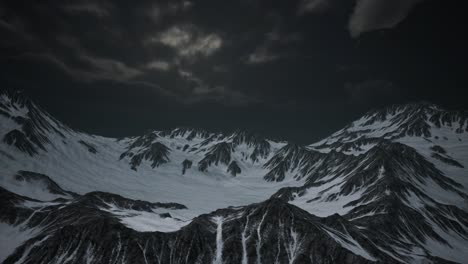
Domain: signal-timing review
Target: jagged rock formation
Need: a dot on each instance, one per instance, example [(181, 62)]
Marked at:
[(261, 146), (414, 120), (233, 168), (289, 159), (90, 147), (147, 148), (186, 164), (217, 154), (441, 154), (188, 133), (32, 124), (41, 180), (269, 232)]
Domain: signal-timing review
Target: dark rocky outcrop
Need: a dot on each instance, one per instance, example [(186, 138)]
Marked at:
[(35, 124), (147, 148), (441, 154), (20, 140), (438, 149), (217, 154), (186, 146), (261, 146), (446, 159), (186, 132), (291, 158), (51, 186), (233, 168), (91, 148), (186, 164)]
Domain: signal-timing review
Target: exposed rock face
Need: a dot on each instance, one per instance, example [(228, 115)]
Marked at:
[(186, 164), (414, 120), (90, 147), (187, 133), (20, 140), (44, 180), (438, 149), (147, 148), (261, 146), (289, 159), (441, 154), (216, 149), (82, 231), (447, 159), (33, 124), (233, 168), (388, 176), (217, 154)]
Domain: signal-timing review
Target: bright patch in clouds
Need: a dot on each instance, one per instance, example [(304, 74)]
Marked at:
[(159, 65), (188, 42)]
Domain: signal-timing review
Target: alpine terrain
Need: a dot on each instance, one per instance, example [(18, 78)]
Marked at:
[(391, 187)]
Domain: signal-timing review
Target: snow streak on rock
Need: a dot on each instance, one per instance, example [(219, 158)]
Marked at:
[(219, 240), (244, 239)]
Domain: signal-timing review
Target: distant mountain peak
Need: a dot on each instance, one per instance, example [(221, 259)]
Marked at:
[(419, 119), (15, 96), (30, 127)]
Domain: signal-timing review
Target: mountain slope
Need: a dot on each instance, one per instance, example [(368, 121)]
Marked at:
[(70, 229), (391, 187)]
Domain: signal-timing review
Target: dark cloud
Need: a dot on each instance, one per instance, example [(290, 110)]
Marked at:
[(157, 11), (314, 6), (370, 15), (93, 8), (367, 15), (276, 45), (159, 65), (98, 68), (188, 41), (299, 68)]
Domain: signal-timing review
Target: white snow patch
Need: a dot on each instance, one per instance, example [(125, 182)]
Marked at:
[(36, 189), (143, 221), (26, 252), (11, 237), (349, 243), (315, 201), (457, 251), (219, 240)]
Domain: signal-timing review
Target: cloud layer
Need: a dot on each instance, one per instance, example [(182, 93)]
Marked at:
[(266, 65), (370, 15), (367, 15), (188, 41)]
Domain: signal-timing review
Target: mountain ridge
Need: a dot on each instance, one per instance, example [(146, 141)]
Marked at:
[(404, 167)]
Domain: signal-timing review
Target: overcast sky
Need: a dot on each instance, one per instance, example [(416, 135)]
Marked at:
[(298, 70)]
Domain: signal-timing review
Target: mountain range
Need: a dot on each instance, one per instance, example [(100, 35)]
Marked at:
[(390, 187)]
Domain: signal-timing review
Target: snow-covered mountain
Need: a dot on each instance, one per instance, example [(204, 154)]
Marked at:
[(391, 187)]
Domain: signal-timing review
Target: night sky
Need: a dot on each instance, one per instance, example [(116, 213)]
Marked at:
[(297, 70)]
